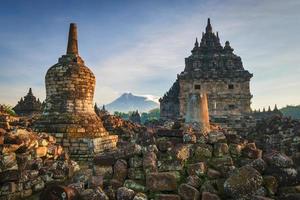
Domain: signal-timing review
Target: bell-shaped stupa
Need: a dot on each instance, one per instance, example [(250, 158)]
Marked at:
[(69, 110)]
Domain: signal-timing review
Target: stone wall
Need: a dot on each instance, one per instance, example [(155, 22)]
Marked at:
[(221, 100), (84, 149)]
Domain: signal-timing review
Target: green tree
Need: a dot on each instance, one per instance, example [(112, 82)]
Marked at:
[(291, 111)]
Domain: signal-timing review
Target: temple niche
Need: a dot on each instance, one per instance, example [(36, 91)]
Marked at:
[(218, 72), (28, 105), (69, 109)]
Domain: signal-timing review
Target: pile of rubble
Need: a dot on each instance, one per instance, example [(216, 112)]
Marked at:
[(28, 161), (182, 164), (125, 129), (277, 133)]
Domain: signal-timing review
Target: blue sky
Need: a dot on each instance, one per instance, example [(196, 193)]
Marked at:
[(140, 46)]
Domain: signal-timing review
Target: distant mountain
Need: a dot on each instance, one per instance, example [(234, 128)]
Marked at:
[(291, 111), (129, 102)]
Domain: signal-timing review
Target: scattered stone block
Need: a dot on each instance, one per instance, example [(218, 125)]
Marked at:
[(124, 193), (162, 181), (243, 183), (188, 192)]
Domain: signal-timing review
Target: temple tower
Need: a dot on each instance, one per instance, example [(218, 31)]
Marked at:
[(69, 109), (28, 105), (215, 69)]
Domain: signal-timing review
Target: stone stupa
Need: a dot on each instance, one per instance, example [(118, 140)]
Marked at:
[(69, 112)]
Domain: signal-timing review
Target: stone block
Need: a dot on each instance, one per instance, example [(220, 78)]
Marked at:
[(188, 192), (198, 169), (137, 187), (104, 160), (124, 193), (167, 197), (41, 151), (95, 181), (136, 173), (182, 152), (216, 137), (9, 176), (135, 162), (140, 196), (209, 196), (220, 149), (162, 181), (244, 182), (120, 170), (203, 152)]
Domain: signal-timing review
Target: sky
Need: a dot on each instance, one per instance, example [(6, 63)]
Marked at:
[(139, 46)]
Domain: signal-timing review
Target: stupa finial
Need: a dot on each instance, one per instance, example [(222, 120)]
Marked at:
[(208, 27), (72, 40)]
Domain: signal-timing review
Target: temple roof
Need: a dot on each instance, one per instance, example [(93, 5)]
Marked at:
[(28, 105), (210, 59)]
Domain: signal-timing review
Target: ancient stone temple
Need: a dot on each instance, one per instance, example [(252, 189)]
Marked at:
[(29, 105), (69, 110), (215, 70), (135, 117)]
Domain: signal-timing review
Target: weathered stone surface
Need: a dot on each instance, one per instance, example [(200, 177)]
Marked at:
[(96, 181), (136, 174), (54, 191), (164, 144), (244, 182), (182, 152), (194, 181), (251, 151), (31, 160), (136, 162), (270, 184), (150, 162), (213, 174), (279, 160), (198, 169), (258, 164), (220, 149), (188, 192), (209, 196), (167, 197), (216, 137), (124, 193), (140, 196), (202, 152), (276, 133), (137, 187), (209, 186), (120, 170), (162, 181)]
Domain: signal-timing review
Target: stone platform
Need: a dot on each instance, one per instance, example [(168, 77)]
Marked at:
[(81, 135), (84, 149)]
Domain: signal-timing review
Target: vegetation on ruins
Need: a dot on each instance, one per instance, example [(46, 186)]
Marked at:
[(145, 116), (7, 109), (291, 111)]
